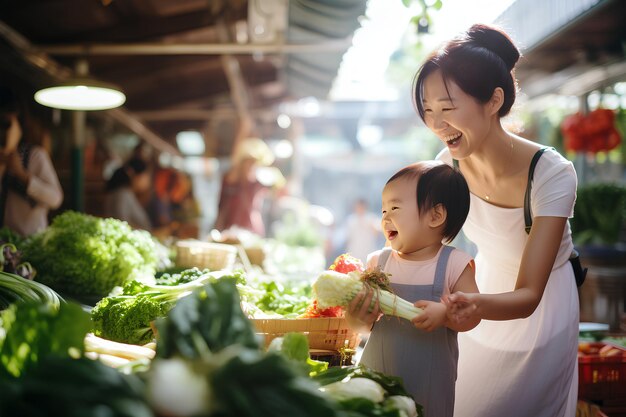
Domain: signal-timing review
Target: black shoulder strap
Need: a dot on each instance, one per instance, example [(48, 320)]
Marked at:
[(528, 218), (455, 162)]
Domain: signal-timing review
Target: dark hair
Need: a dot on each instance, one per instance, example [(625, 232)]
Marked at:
[(480, 60), (440, 184), (9, 106), (121, 178)]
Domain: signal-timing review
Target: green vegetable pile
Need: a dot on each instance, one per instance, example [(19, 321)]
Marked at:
[(42, 373), (31, 331), (14, 288), (126, 317), (81, 255)]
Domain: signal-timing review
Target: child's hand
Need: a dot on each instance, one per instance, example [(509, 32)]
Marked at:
[(361, 312), (433, 315), (461, 306)]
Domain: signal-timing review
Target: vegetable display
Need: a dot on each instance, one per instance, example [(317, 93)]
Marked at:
[(11, 256), (126, 317), (333, 289), (82, 255), (14, 288), (33, 331)]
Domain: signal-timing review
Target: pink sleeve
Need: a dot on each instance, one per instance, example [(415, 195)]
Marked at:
[(456, 265)]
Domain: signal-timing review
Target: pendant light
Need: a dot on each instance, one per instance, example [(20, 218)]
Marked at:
[(81, 93)]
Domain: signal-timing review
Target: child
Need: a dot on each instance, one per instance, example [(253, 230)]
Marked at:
[(423, 205)]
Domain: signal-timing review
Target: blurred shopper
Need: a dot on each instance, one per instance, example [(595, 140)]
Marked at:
[(122, 189), (524, 351), (243, 187), (30, 187), (363, 231)]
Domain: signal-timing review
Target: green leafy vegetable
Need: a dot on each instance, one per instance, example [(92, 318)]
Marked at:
[(127, 316), (295, 346), (397, 401), (69, 387), (83, 255), (207, 321), (32, 331), (14, 288)]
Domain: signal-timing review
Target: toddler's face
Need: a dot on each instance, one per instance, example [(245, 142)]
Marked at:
[(401, 221)]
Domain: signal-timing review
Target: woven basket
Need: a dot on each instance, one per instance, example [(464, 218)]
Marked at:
[(214, 256), (328, 333)]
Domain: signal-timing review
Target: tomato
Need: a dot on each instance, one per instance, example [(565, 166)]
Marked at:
[(347, 263)]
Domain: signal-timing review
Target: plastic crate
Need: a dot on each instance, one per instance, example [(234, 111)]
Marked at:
[(601, 378), (327, 333)]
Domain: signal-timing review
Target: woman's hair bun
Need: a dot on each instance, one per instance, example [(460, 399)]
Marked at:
[(496, 41)]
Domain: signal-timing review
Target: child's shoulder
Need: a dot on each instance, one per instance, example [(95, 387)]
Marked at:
[(373, 258)]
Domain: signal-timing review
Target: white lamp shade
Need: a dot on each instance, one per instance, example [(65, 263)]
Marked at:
[(81, 96)]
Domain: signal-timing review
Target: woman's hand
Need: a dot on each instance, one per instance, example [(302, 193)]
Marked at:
[(361, 312), (461, 306), (433, 315), (15, 168)]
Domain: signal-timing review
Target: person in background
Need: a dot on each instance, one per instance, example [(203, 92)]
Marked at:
[(243, 188), (363, 231), (423, 206), (30, 186), (121, 200), (524, 351)]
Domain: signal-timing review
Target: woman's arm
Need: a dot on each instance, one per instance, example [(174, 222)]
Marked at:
[(535, 267), (40, 179), (465, 284)]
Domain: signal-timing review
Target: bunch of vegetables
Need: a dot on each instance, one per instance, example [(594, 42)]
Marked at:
[(14, 288), (82, 255), (364, 392), (593, 132), (32, 331), (334, 288), (209, 363), (42, 371), (11, 256), (345, 264), (126, 316)]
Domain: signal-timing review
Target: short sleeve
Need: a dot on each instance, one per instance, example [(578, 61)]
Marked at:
[(456, 265), (554, 186)]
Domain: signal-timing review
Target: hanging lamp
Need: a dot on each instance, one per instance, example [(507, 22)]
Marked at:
[(81, 93)]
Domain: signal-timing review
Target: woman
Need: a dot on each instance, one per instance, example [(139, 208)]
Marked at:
[(524, 351), (122, 189), (243, 192), (30, 186)]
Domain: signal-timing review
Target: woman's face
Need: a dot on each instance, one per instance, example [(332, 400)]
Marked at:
[(458, 119), (141, 182), (401, 220), (13, 135)]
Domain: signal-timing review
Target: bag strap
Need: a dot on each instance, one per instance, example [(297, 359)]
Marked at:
[(455, 163), (528, 218), (382, 258)]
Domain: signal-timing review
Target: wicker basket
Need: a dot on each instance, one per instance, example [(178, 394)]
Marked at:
[(214, 256), (328, 333)]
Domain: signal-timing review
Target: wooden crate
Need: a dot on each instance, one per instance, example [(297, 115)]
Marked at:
[(328, 333)]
